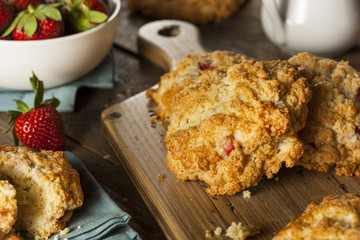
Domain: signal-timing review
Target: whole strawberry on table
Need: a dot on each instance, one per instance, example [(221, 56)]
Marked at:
[(40, 127), (38, 19)]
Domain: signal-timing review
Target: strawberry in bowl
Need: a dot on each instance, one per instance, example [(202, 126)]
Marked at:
[(7, 13), (57, 60), (43, 22)]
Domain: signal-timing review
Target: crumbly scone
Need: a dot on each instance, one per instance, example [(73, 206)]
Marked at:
[(185, 74), (12, 235), (231, 127), (334, 218), (48, 189), (331, 135), (196, 11), (239, 231), (8, 207)]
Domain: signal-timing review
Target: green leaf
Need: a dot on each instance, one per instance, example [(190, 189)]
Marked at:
[(78, 3), (53, 102), (97, 17), (38, 87), (53, 5), (30, 25), (16, 140), (21, 106), (13, 116), (40, 15), (52, 13)]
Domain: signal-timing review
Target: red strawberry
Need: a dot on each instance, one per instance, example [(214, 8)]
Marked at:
[(6, 15), (96, 5), (41, 127), (82, 15), (23, 4), (46, 29), (43, 22), (228, 146)]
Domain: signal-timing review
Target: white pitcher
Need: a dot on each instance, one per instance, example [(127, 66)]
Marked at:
[(322, 27)]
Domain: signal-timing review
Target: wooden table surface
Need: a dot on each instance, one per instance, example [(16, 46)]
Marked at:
[(240, 33)]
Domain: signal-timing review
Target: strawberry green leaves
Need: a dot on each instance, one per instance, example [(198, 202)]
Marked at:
[(28, 19), (96, 17), (82, 15), (40, 127)]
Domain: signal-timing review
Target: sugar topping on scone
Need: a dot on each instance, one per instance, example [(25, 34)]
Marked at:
[(12, 235), (332, 132), (232, 126), (47, 187), (334, 218), (171, 84), (8, 207)]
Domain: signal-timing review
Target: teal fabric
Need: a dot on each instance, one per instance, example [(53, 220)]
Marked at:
[(103, 76), (99, 217)]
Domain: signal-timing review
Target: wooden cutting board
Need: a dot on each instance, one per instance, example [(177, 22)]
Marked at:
[(183, 209)]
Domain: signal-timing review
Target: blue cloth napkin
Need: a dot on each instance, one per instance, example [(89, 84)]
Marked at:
[(103, 76), (99, 217)]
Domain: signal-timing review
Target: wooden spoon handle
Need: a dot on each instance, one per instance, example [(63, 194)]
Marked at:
[(167, 42)]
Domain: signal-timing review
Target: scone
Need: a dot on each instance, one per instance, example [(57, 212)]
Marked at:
[(8, 207), (331, 135), (196, 11), (12, 235), (171, 84), (334, 218), (231, 126), (48, 189)]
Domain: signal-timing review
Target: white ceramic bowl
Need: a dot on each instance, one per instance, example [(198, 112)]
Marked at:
[(59, 60)]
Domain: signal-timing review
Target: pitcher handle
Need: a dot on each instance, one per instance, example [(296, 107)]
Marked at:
[(272, 10)]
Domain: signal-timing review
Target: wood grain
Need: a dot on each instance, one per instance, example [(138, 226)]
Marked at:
[(183, 209)]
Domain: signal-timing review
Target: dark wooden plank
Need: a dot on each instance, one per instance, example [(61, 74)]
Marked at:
[(138, 142)]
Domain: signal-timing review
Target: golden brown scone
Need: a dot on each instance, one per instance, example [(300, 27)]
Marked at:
[(231, 127), (12, 235), (8, 207), (331, 135), (334, 218), (196, 11), (48, 189), (166, 95)]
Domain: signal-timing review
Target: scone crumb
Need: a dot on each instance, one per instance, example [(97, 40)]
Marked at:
[(240, 232), (208, 233), (56, 237), (65, 231), (218, 231), (246, 194), (78, 227), (161, 177)]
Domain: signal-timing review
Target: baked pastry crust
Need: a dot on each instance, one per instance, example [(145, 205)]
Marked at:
[(331, 135), (257, 106), (48, 188), (196, 11), (167, 95), (12, 235), (334, 218), (8, 207)]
